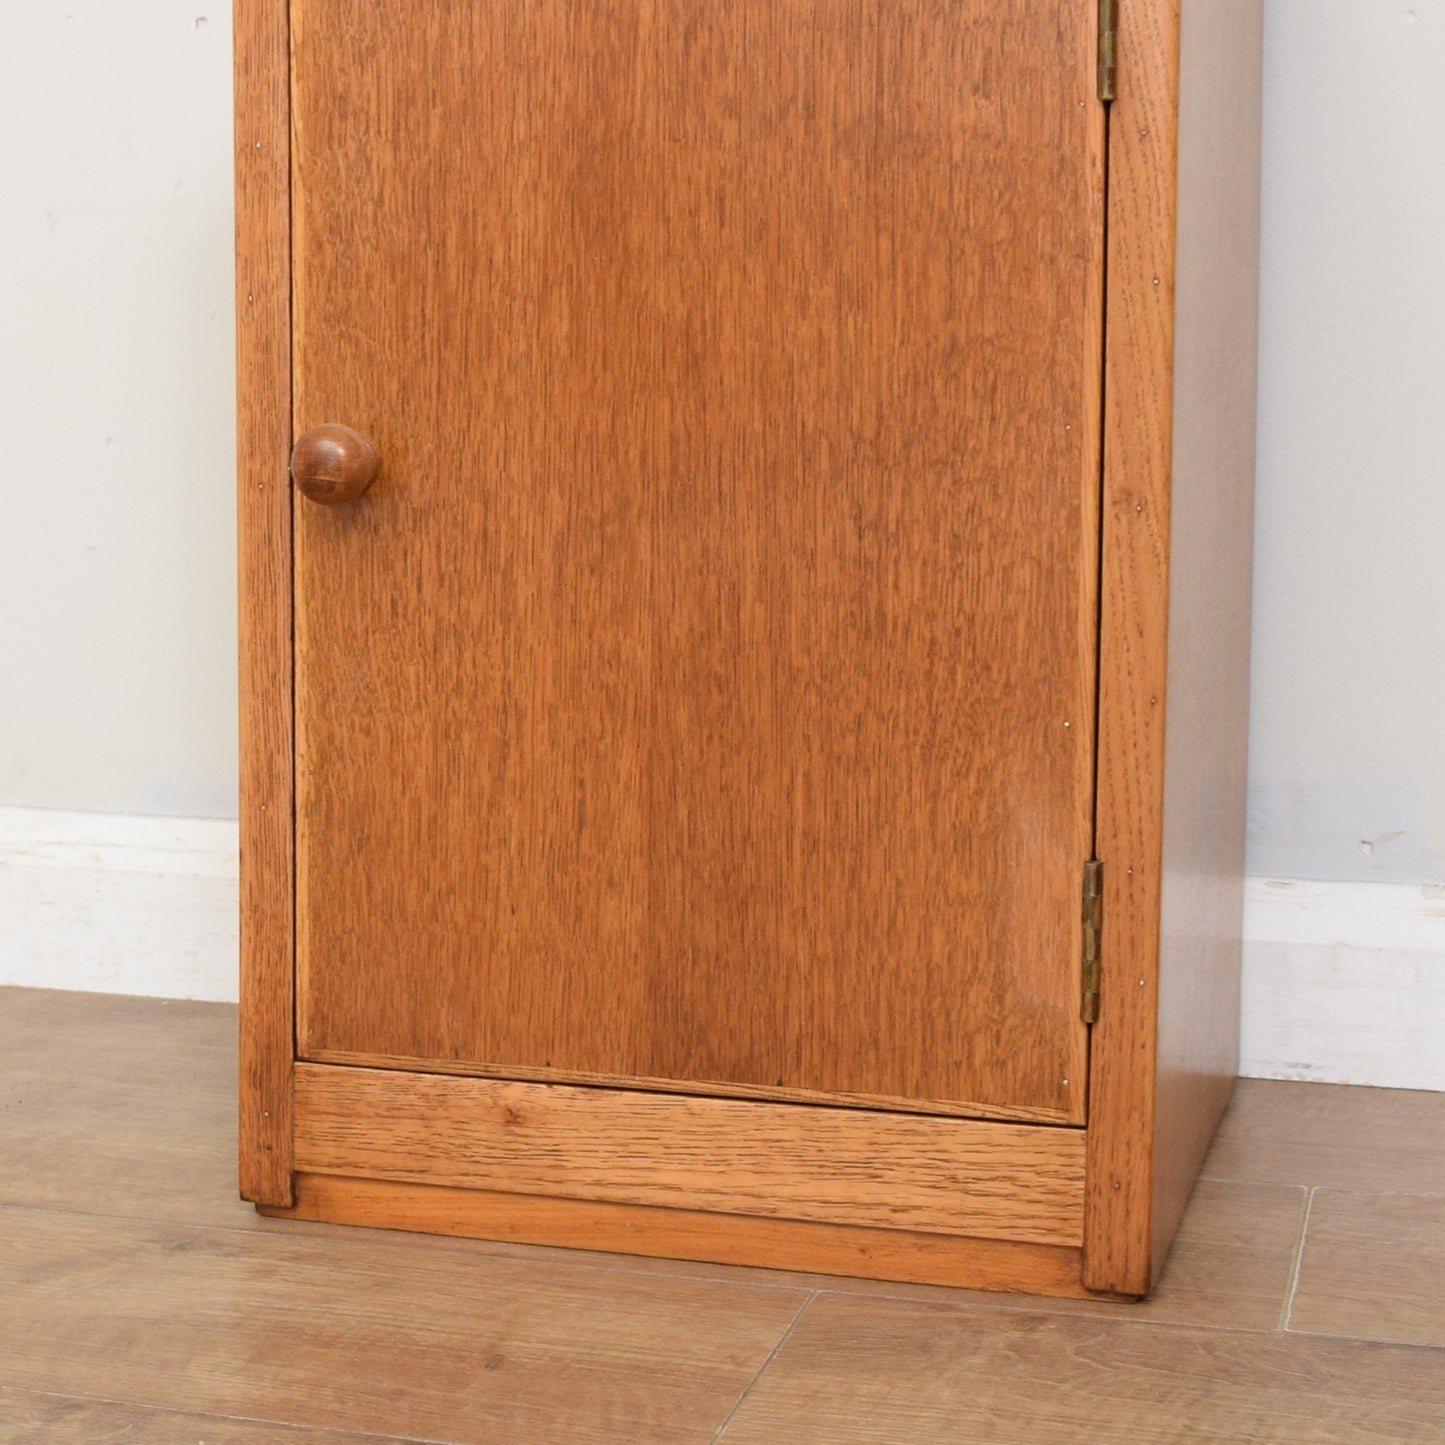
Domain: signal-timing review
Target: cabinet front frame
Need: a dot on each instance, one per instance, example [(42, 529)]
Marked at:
[(1139, 339)]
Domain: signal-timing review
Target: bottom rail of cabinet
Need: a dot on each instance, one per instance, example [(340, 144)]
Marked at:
[(794, 1245)]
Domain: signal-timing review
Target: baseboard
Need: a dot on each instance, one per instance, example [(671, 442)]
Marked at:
[(1343, 982), (108, 903)]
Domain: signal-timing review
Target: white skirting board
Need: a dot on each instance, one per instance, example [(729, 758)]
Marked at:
[(1343, 982), (108, 903)]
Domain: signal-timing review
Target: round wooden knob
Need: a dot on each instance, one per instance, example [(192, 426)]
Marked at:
[(332, 464)]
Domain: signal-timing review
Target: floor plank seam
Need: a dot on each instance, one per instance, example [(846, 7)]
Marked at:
[(1378, 1193), (1030, 1306), (346, 1236), (763, 1368), (1332, 1188), (78, 1397), (1256, 1183), (992, 1302), (1420, 1347), (1299, 1255)]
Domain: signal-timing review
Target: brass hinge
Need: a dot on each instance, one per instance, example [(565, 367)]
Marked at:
[(1108, 44), (1093, 926)]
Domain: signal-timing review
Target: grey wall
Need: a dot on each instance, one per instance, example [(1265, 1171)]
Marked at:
[(117, 630), (1347, 751)]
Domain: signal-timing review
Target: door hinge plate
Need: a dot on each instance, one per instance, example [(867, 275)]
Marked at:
[(1093, 926), (1108, 45)]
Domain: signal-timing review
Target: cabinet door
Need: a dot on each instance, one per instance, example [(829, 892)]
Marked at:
[(704, 691)]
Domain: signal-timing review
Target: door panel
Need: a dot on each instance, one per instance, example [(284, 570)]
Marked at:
[(704, 690)]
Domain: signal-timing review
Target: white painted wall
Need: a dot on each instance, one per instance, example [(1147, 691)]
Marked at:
[(117, 433), (1347, 749)]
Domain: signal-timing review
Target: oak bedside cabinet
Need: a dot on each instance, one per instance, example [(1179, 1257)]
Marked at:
[(745, 549)]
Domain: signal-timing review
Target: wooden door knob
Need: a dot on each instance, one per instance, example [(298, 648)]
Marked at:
[(332, 464)]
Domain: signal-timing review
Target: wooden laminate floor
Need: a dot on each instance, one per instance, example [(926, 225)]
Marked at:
[(141, 1301)]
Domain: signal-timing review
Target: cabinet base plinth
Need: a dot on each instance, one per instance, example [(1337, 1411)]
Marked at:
[(902, 1255)]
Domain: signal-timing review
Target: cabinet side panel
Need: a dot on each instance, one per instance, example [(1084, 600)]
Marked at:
[(264, 526), (1211, 537), (1138, 374)]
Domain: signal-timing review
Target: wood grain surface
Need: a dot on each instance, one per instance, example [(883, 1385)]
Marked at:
[(856, 1372), (263, 441), (705, 690), (1373, 1268), (1211, 544), (430, 1339), (29, 1418), (1336, 1136), (802, 1251), (1178, 488), (1134, 609), (123, 1106), (132, 1328), (1231, 1265), (835, 1166), (963, 1108)]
